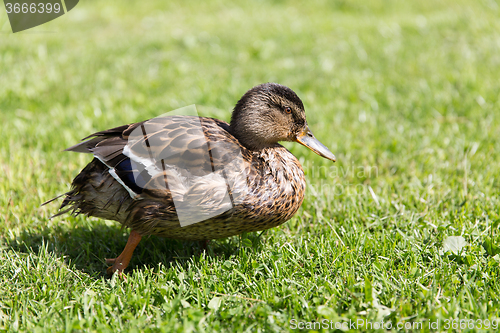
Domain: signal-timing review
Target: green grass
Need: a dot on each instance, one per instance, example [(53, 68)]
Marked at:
[(405, 93)]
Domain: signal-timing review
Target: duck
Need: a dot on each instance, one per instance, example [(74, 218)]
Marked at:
[(197, 178)]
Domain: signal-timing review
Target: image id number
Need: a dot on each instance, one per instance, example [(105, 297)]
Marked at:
[(32, 8)]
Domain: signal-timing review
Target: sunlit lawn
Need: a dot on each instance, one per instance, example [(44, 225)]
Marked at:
[(405, 93)]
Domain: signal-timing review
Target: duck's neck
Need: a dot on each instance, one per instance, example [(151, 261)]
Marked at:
[(251, 129), (250, 141)]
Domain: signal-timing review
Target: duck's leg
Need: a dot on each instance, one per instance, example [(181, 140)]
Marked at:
[(121, 262)]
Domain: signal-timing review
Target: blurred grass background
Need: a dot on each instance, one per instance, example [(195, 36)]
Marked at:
[(405, 94)]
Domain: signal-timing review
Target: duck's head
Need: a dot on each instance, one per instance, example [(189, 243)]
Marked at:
[(269, 113)]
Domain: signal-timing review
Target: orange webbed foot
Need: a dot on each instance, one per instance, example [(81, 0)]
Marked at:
[(116, 265), (121, 262)]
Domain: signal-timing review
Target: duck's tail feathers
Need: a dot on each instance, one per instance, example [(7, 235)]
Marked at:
[(65, 202), (60, 213), (95, 192), (53, 199)]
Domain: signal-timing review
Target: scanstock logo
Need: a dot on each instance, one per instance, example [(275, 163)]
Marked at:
[(26, 14)]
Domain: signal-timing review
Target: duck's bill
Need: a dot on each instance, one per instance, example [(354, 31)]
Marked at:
[(307, 139)]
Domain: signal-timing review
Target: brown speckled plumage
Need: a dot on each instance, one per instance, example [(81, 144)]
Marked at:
[(270, 193)]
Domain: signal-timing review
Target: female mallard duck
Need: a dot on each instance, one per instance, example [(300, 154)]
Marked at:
[(198, 178)]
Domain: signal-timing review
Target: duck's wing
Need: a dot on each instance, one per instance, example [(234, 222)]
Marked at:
[(165, 156)]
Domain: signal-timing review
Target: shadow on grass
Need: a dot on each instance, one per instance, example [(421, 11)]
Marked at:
[(85, 249)]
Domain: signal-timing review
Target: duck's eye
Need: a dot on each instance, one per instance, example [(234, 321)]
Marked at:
[(288, 109)]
